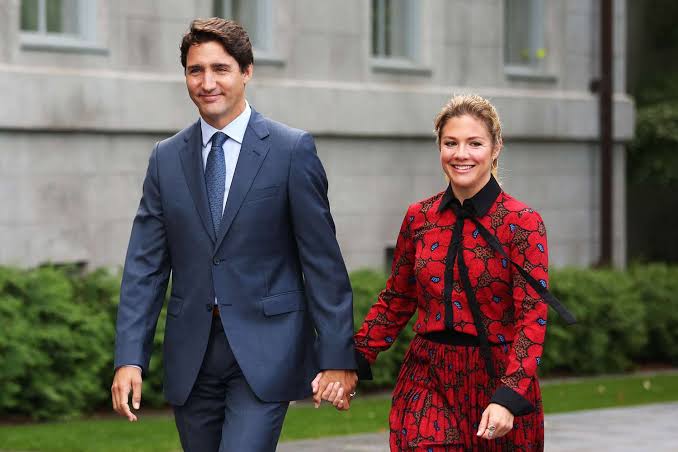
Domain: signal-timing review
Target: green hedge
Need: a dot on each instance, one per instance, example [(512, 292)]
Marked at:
[(657, 290), (611, 327), (57, 333), (57, 330)]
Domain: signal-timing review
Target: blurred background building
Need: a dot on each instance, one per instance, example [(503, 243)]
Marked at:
[(88, 86)]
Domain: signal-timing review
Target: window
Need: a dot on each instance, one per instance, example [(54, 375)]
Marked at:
[(254, 15), (58, 22), (524, 35), (394, 29)]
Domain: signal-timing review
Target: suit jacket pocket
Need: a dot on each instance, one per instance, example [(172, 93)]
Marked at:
[(174, 306), (284, 302), (257, 194)]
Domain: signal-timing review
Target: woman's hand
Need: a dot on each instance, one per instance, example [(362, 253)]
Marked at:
[(496, 422)]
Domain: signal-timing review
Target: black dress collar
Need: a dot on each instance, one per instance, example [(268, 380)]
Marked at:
[(479, 203)]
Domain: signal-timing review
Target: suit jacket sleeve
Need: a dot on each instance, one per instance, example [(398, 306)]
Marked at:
[(145, 277), (328, 289)]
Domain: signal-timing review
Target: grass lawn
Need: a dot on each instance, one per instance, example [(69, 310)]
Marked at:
[(156, 433)]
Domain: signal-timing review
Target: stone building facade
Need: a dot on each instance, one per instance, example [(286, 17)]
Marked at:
[(88, 86)]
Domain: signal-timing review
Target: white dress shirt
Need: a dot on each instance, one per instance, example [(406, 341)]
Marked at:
[(235, 130)]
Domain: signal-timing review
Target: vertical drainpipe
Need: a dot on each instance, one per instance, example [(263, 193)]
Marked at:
[(606, 112)]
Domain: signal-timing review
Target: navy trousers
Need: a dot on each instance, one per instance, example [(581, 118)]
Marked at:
[(222, 414)]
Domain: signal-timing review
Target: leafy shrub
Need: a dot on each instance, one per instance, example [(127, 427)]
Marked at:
[(610, 327), (657, 286), (57, 329), (63, 348)]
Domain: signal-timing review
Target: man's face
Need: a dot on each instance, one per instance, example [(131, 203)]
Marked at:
[(215, 83)]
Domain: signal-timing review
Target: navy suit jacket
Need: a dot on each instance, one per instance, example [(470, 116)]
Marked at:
[(274, 266)]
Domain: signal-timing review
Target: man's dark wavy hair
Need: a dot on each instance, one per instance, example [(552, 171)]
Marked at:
[(231, 35)]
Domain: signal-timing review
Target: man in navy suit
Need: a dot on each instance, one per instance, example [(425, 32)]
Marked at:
[(235, 209)]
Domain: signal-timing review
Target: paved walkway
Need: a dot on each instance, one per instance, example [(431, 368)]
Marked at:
[(633, 429)]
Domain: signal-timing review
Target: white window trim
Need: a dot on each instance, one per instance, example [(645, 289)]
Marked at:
[(528, 73), (85, 41), (399, 66), (268, 58)]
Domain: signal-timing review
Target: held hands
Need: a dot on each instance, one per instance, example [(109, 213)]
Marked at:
[(335, 386), (126, 378), (496, 422)]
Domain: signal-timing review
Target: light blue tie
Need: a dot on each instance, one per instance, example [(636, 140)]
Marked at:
[(215, 178)]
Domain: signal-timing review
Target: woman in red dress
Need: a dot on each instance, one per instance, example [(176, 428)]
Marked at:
[(472, 262)]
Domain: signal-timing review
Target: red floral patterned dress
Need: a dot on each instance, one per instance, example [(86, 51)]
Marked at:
[(481, 320)]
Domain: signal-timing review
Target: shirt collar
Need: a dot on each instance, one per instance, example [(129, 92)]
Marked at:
[(480, 202), (235, 130)]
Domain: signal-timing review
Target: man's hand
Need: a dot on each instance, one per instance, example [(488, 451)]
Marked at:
[(496, 422), (126, 378), (335, 386)]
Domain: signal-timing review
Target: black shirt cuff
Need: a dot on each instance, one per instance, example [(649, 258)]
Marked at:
[(512, 401), (364, 368)]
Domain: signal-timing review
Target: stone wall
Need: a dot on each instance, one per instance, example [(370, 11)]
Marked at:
[(77, 125)]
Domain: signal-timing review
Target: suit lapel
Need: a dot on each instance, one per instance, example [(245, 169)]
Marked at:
[(191, 161), (253, 151)]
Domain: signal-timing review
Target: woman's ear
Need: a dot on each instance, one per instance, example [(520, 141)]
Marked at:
[(497, 150)]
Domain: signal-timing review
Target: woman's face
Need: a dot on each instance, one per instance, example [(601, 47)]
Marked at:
[(466, 154)]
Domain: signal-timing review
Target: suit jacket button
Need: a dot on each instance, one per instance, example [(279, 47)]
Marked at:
[(217, 261), (209, 306)]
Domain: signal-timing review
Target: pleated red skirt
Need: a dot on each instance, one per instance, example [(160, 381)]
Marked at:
[(440, 396)]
